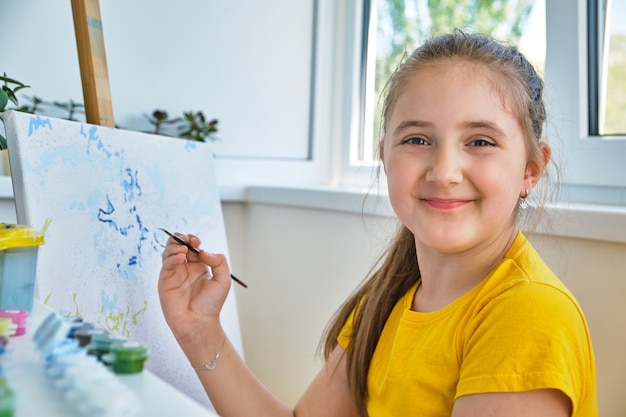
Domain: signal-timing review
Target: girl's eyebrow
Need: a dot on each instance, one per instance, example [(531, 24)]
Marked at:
[(411, 123), (473, 124), (484, 124)]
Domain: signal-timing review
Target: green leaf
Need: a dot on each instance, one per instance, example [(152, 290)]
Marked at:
[(12, 81), (4, 100), (11, 96), (3, 143), (16, 89)]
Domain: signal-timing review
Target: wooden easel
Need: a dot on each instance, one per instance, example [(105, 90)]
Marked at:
[(93, 63)]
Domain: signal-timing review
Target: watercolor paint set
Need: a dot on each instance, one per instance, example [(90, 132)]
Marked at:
[(77, 362)]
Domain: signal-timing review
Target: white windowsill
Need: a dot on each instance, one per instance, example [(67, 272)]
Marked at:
[(584, 221)]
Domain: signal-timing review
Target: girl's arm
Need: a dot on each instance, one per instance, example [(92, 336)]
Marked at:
[(192, 290), (537, 403)]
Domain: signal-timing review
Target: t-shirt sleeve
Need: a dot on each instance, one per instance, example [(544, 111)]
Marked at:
[(532, 336)]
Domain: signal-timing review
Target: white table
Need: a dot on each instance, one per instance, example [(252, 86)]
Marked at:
[(36, 397)]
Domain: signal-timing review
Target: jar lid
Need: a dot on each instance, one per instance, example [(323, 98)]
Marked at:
[(14, 313), (7, 327), (19, 235), (84, 336), (18, 316), (128, 351), (105, 340)]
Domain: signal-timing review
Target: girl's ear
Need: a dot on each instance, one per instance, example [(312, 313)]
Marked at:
[(536, 166)]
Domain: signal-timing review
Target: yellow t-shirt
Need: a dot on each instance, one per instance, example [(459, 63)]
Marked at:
[(520, 329)]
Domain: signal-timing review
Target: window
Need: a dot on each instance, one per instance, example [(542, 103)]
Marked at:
[(586, 123), (396, 27), (607, 67), (593, 167)]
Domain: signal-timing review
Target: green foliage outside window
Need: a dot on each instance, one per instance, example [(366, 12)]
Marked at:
[(615, 112), (407, 22), (403, 24)]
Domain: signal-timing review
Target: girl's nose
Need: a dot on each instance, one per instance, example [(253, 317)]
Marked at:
[(445, 167)]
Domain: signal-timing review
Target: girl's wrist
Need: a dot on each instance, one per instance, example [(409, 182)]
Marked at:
[(202, 346)]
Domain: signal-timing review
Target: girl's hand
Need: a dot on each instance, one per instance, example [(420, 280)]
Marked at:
[(192, 288)]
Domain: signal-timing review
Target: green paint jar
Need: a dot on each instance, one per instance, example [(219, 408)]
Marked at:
[(101, 344), (126, 358), (7, 400)]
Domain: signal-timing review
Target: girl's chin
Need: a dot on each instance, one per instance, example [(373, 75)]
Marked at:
[(445, 239)]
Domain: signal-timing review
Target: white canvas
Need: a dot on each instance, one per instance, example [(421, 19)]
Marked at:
[(106, 193)]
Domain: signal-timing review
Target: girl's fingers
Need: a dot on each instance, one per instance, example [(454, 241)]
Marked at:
[(219, 267), (173, 247), (173, 256)]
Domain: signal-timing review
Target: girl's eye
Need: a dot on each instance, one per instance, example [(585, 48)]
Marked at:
[(481, 142), (416, 141)]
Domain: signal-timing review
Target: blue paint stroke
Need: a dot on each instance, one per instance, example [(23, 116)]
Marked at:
[(107, 212), (36, 122), (124, 230), (106, 215), (131, 185), (108, 302), (92, 137), (143, 231)]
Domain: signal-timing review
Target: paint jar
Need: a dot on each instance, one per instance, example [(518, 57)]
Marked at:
[(19, 245), (126, 358), (7, 400), (18, 316), (101, 343), (78, 326), (7, 327), (50, 333), (65, 347), (44, 327), (84, 336), (4, 348)]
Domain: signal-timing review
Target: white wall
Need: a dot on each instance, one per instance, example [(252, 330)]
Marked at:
[(245, 62)]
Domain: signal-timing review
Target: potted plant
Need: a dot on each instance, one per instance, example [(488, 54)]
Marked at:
[(193, 125), (10, 86)]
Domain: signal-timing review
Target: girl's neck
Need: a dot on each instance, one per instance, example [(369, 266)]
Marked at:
[(448, 276)]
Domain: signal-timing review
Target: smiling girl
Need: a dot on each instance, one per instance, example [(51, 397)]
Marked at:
[(461, 317)]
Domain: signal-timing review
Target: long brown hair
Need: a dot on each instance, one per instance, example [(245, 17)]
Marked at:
[(397, 270)]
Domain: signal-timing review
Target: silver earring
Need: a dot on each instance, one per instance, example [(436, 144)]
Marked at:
[(522, 201)]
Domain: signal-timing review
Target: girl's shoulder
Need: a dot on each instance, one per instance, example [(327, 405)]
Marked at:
[(523, 271)]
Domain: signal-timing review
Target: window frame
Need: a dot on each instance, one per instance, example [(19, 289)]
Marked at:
[(592, 170), (591, 167)]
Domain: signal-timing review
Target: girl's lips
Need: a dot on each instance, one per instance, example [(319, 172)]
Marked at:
[(445, 204)]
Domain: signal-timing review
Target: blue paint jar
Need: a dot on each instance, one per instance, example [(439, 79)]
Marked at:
[(18, 259)]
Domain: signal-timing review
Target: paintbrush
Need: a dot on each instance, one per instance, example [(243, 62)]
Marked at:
[(196, 251)]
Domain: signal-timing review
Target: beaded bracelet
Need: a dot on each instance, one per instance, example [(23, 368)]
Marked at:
[(213, 364)]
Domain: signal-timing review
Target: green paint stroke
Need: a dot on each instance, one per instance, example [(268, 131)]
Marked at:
[(46, 224), (77, 312), (118, 322)]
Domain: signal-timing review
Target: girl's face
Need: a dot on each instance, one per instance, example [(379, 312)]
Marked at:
[(455, 158)]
